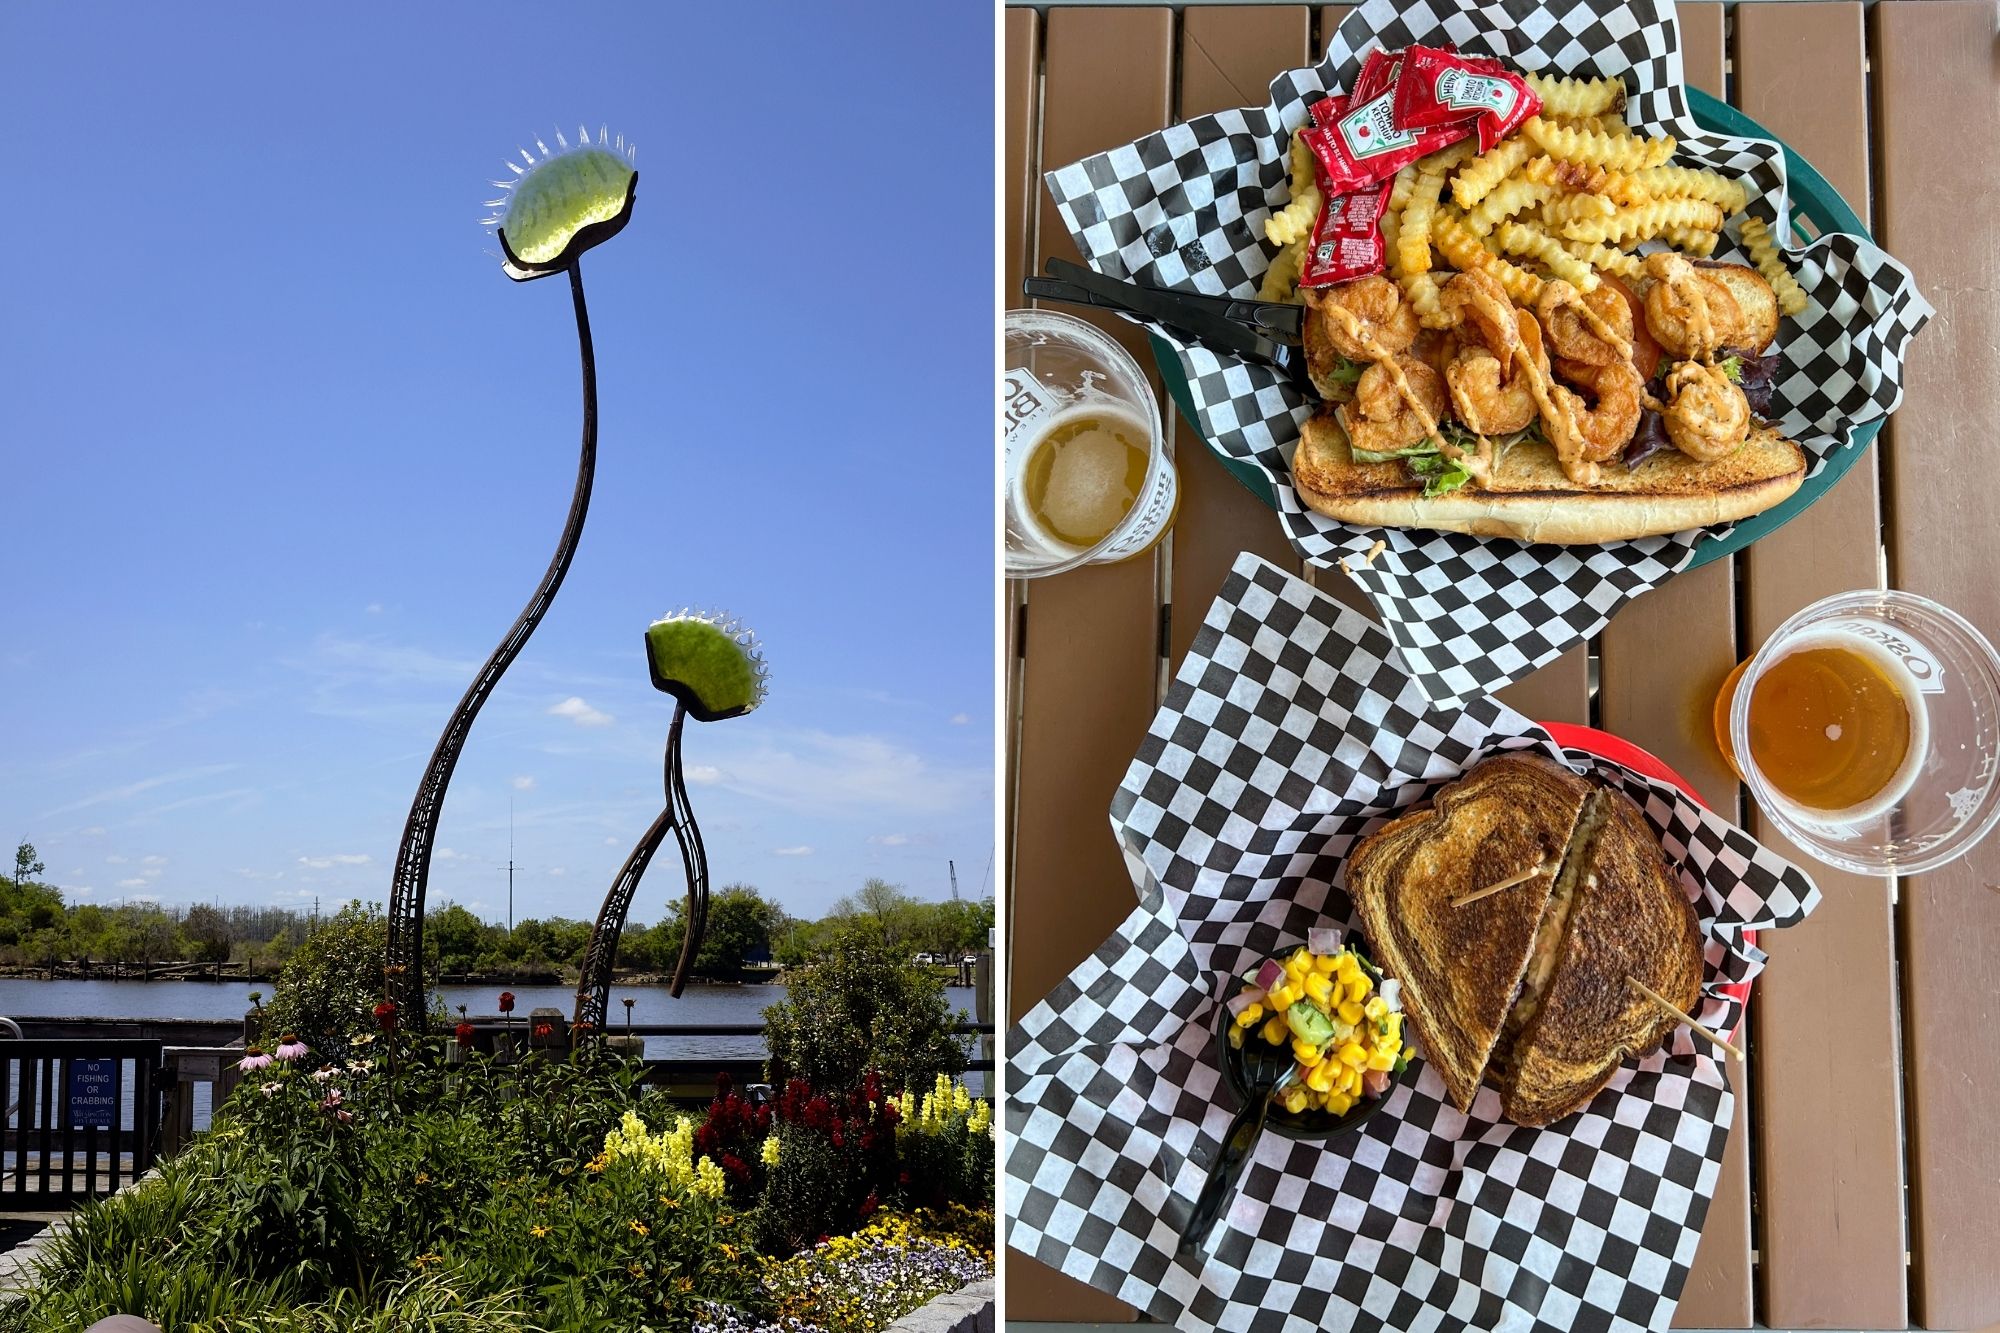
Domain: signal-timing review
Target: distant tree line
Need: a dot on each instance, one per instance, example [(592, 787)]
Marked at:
[(37, 927)]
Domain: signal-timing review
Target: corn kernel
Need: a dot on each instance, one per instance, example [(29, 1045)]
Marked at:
[(1350, 1013), (1358, 986), (1322, 1076), (1284, 997), (1306, 1053), (1350, 1053), (1375, 1007), (1339, 1103), (1276, 1029), (1295, 1100), (1382, 1060), (1236, 1039), (1251, 1014), (1325, 963), (1319, 989), (1395, 1022)]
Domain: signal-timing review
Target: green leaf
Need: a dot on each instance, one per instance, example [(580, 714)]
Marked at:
[(1378, 456), (1732, 366), (1346, 372), (1444, 481)]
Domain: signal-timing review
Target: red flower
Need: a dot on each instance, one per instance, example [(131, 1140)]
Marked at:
[(464, 1034), (385, 1015), (869, 1205), (506, 1002), (544, 1030), (836, 1138)]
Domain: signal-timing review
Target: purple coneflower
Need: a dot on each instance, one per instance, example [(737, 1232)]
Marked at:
[(253, 1060), (331, 1100), (270, 1089), (322, 1075), (290, 1047)]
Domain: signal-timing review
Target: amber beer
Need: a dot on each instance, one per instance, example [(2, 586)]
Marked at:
[(1837, 725)]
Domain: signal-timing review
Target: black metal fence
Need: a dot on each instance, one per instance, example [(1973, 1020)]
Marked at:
[(82, 1117)]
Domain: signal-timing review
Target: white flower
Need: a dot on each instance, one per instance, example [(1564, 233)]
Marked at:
[(270, 1088)]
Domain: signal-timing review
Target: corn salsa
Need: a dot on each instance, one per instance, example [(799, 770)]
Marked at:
[(1344, 1034)]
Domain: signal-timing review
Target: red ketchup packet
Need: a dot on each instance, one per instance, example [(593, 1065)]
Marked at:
[(1437, 87), (1362, 142), (1346, 239)]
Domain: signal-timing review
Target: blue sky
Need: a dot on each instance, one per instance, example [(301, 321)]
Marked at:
[(284, 452)]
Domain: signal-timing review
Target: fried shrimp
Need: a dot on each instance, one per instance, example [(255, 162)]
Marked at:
[(1707, 415), (1485, 397), (1577, 325), (1480, 308), (1607, 408), (1364, 320), (1690, 313), (1381, 419)]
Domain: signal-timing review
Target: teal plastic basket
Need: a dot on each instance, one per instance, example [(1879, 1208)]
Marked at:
[(1813, 200)]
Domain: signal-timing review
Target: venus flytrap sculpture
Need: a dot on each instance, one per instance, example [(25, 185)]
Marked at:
[(551, 211), (710, 663)]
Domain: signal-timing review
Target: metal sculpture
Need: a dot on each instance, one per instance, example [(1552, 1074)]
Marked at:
[(710, 664), (562, 205)]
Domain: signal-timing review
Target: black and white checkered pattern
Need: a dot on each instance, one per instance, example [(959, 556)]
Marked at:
[(1290, 732), (1186, 208)]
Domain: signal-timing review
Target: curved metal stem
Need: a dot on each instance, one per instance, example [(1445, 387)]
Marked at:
[(413, 857), (593, 987), (694, 857)]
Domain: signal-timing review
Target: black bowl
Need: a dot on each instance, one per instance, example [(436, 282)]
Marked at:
[(1311, 1123)]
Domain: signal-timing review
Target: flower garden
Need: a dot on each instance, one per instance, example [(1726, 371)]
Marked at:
[(391, 1181)]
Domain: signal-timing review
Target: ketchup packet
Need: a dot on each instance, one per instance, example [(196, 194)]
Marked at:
[(1346, 238), (1437, 87), (1358, 141)]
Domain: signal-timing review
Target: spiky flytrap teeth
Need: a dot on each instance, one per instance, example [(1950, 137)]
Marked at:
[(709, 660), (546, 203)]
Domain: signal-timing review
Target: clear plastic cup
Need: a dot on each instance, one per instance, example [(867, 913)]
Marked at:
[(1059, 372), (1945, 797)]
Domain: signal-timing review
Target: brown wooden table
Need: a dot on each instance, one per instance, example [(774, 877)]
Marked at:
[(1862, 1183)]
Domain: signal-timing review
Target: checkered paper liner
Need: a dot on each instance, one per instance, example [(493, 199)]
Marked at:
[(1291, 731), (1186, 207)]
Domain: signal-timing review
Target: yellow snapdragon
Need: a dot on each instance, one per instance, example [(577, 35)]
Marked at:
[(668, 1154)]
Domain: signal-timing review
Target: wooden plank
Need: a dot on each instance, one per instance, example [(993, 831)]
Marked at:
[(1659, 700), (1830, 1153), (1021, 79), (1937, 100), (1091, 665), (1021, 72), (1228, 58)]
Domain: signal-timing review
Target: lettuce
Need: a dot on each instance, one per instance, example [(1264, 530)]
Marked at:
[(1345, 371), (1441, 475), (1731, 366)]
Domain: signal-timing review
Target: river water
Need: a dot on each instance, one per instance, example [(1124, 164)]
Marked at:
[(23, 999)]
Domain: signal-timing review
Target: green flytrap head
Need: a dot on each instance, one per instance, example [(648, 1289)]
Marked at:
[(709, 661), (563, 203)]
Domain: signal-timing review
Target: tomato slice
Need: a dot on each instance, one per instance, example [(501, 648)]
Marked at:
[(1645, 352)]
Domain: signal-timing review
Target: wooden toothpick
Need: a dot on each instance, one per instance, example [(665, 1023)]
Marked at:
[(1662, 1001), (1491, 889)]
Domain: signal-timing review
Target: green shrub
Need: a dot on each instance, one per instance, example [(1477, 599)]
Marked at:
[(944, 1147), (863, 1006), (327, 990), (836, 1164)]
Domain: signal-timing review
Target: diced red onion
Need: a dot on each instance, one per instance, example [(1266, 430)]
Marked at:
[(1323, 940), (1271, 975), (1243, 1000)]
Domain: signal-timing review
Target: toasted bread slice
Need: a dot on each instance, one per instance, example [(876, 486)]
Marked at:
[(1629, 918), (1754, 298), (1461, 967), (1530, 497)]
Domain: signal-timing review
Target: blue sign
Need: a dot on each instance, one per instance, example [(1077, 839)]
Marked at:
[(93, 1093)]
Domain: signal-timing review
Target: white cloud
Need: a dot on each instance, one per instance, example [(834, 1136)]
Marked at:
[(581, 713), (704, 775), (792, 851), (816, 772), (145, 899), (373, 608), (131, 883), (557, 871), (446, 854), (613, 840), (338, 859), (248, 873), (890, 839), (960, 719), (524, 783), (114, 859), (94, 831), (131, 789), (81, 891), (152, 860)]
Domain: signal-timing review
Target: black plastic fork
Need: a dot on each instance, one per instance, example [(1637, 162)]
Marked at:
[(1268, 1070)]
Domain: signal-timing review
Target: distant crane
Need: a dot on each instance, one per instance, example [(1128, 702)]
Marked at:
[(953, 867)]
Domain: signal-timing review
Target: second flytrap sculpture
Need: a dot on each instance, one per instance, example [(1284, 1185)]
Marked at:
[(710, 664), (551, 210)]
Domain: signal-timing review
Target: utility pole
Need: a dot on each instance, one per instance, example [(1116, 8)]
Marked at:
[(510, 869)]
